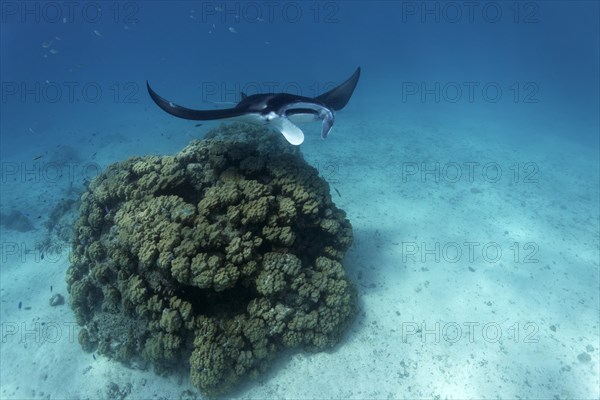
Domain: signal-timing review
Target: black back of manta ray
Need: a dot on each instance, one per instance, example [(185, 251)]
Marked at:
[(336, 99)]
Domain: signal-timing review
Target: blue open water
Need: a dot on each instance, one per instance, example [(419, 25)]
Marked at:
[(467, 161)]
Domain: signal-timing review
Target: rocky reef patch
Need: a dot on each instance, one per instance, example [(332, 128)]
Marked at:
[(215, 259)]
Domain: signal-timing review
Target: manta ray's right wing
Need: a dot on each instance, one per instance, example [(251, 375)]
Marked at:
[(338, 97), (188, 113)]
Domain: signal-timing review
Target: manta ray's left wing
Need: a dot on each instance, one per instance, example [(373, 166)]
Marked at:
[(188, 113)]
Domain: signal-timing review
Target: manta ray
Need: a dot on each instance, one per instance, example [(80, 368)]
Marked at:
[(278, 110)]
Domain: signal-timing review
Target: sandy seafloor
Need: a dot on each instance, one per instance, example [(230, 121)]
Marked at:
[(527, 321)]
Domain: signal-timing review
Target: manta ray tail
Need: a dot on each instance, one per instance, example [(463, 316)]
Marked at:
[(338, 97)]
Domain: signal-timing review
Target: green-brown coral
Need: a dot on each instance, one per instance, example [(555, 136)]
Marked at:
[(216, 258)]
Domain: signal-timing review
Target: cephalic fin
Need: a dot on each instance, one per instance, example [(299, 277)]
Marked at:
[(291, 132)]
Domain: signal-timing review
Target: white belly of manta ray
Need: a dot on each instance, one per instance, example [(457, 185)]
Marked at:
[(283, 124)]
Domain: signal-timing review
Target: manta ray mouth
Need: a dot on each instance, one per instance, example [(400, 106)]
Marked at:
[(319, 110)]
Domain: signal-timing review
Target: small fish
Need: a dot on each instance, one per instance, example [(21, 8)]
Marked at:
[(45, 45), (197, 125), (20, 305), (217, 8), (337, 191), (38, 157), (97, 33), (50, 288), (93, 355), (42, 256), (232, 29), (31, 130), (64, 20), (53, 51), (57, 38), (27, 308)]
